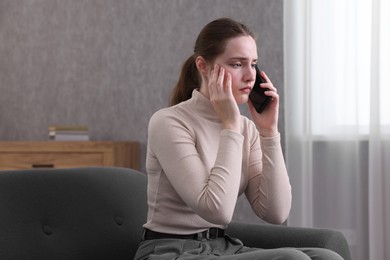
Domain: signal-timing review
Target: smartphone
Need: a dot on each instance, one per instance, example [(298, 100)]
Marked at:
[(257, 96)]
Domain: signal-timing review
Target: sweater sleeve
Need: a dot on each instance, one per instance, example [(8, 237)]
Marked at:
[(211, 193), (268, 190)]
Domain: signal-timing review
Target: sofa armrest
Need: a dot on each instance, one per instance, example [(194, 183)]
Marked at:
[(275, 236)]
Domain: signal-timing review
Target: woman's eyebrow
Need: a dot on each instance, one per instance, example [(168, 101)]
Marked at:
[(241, 59)]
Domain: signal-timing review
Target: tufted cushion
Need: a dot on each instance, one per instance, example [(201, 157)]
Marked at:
[(85, 213)]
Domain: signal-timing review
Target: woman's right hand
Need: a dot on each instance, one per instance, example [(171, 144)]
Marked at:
[(222, 99)]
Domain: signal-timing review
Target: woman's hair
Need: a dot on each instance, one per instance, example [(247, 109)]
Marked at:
[(210, 43)]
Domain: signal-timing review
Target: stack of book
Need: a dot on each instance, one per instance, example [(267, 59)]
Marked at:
[(68, 133)]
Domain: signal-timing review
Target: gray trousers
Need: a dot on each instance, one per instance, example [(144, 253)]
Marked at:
[(226, 248)]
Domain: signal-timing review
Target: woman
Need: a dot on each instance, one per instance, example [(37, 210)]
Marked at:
[(202, 154)]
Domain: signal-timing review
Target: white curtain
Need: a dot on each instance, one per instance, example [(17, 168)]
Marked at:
[(337, 94)]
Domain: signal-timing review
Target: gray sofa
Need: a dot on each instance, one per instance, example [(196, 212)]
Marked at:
[(97, 213)]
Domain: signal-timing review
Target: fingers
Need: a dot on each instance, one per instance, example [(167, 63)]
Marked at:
[(228, 82), (268, 82), (220, 81), (272, 91), (213, 79)]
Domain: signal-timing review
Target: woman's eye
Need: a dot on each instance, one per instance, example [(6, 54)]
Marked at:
[(254, 65), (236, 65)]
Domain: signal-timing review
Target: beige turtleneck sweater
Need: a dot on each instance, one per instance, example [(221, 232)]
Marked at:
[(196, 170)]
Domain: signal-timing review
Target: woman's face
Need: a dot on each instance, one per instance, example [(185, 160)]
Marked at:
[(239, 59)]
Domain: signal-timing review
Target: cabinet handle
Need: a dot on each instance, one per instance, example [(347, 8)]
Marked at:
[(43, 166)]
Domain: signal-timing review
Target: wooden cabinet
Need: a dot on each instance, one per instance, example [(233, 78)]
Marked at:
[(68, 154)]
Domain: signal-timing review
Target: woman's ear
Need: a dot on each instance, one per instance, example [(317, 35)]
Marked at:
[(202, 65)]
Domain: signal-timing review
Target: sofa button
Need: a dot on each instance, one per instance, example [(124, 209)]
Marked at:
[(47, 230), (119, 221)]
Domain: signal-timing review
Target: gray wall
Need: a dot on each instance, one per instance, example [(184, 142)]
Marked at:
[(111, 64)]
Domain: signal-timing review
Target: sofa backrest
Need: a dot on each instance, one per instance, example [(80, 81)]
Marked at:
[(84, 213)]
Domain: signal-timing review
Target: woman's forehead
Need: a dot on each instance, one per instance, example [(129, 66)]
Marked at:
[(243, 47)]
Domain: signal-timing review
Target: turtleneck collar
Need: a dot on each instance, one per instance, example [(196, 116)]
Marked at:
[(203, 106)]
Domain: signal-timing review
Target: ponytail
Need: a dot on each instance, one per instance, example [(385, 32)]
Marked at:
[(188, 81)]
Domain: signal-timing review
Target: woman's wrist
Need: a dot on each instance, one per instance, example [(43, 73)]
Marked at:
[(268, 132), (232, 126)]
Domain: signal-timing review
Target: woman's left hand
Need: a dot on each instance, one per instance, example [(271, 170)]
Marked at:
[(267, 121)]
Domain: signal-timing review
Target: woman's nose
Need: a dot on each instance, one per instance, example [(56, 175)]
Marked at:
[(250, 74)]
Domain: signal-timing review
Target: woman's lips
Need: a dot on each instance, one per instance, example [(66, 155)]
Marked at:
[(246, 90)]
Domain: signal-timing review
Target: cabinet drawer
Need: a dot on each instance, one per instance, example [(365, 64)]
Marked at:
[(10, 161)]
